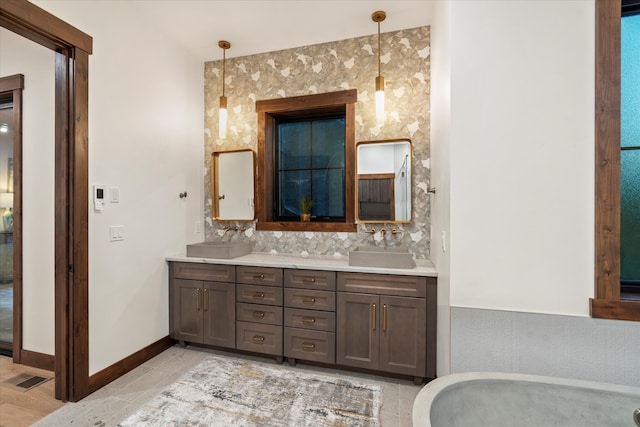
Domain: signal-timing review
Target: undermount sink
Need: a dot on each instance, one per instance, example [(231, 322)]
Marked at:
[(215, 249), (385, 257)]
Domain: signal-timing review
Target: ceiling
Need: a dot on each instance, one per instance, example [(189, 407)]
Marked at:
[(257, 26)]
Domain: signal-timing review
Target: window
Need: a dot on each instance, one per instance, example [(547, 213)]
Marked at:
[(630, 153), (609, 302), (306, 148), (310, 163)]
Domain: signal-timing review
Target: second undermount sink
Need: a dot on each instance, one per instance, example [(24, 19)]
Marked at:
[(217, 249), (384, 257)]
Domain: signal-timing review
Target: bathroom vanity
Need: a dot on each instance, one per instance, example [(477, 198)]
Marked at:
[(309, 309)]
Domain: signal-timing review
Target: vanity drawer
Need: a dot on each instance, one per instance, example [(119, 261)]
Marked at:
[(310, 279), (304, 344), (383, 284), (259, 275), (309, 299), (208, 272), (310, 319), (259, 313), (259, 338), (259, 294)]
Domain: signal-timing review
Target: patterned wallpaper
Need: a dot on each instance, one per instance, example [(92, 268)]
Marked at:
[(330, 67)]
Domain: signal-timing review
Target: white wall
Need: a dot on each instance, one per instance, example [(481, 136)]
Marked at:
[(145, 138), (521, 155), (21, 56)]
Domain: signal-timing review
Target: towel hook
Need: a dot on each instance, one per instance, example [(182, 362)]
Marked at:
[(183, 195)]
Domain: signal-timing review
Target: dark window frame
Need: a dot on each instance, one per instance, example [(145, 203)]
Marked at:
[(609, 302), (268, 111)]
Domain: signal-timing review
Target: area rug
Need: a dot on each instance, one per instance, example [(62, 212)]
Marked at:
[(226, 391)]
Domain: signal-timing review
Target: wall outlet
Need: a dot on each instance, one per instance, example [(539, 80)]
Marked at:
[(198, 227), (116, 233)]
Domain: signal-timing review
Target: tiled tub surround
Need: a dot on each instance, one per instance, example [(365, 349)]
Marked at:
[(330, 67)]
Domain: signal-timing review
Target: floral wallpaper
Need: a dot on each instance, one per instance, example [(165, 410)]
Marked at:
[(330, 67)]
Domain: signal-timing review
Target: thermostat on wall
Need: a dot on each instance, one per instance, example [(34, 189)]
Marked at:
[(98, 197)]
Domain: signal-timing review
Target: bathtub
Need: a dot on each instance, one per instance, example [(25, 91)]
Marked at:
[(498, 399)]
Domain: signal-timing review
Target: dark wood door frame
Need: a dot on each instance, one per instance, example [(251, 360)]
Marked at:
[(72, 49), (11, 87)]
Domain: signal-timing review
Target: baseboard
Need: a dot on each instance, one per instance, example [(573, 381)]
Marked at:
[(37, 360), (118, 369)]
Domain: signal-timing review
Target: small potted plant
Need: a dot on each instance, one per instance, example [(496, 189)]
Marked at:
[(306, 204)]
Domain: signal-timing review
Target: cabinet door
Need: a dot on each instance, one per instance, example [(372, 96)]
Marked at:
[(187, 310), (403, 335), (357, 330), (219, 308)]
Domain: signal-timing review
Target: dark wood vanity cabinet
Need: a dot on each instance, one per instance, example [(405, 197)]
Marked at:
[(384, 323), (202, 300), (379, 322)]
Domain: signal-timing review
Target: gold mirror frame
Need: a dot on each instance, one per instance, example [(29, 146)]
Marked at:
[(385, 200), (233, 185)]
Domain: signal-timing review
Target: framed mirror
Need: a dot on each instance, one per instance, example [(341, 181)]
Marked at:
[(232, 185), (383, 177)]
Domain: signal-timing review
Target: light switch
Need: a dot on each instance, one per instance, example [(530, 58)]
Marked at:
[(116, 233), (114, 195)]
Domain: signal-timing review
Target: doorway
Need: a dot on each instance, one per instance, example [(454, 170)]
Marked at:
[(6, 223)]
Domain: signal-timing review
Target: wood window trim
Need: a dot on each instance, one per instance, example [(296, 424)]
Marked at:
[(607, 303), (266, 110)]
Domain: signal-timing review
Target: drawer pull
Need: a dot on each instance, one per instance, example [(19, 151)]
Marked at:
[(374, 319), (258, 339), (308, 300), (258, 295), (258, 314), (310, 320), (309, 280), (308, 346), (258, 276)]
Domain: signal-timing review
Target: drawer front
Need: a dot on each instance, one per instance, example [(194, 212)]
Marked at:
[(383, 284), (310, 319), (269, 295), (259, 275), (267, 314), (310, 279), (207, 272), (259, 338), (304, 344), (306, 298)]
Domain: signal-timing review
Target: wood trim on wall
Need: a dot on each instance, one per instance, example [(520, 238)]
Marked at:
[(607, 303), (37, 360), (105, 376), (15, 85), (72, 48)]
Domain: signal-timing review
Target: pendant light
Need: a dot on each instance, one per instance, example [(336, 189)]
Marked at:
[(222, 125), (378, 17)]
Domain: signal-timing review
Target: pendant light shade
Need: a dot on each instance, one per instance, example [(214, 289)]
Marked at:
[(222, 113), (378, 17)]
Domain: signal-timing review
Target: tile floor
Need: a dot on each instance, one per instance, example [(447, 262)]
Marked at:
[(114, 402)]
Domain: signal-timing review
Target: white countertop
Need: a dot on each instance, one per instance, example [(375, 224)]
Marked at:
[(311, 262)]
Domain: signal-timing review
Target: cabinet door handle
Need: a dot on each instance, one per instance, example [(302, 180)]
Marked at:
[(384, 317), (258, 295), (258, 276), (309, 280), (198, 299), (258, 314), (308, 300), (308, 346), (258, 339), (374, 318), (310, 320), (204, 300)]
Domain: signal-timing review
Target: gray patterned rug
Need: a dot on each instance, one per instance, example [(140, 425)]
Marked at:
[(225, 391)]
